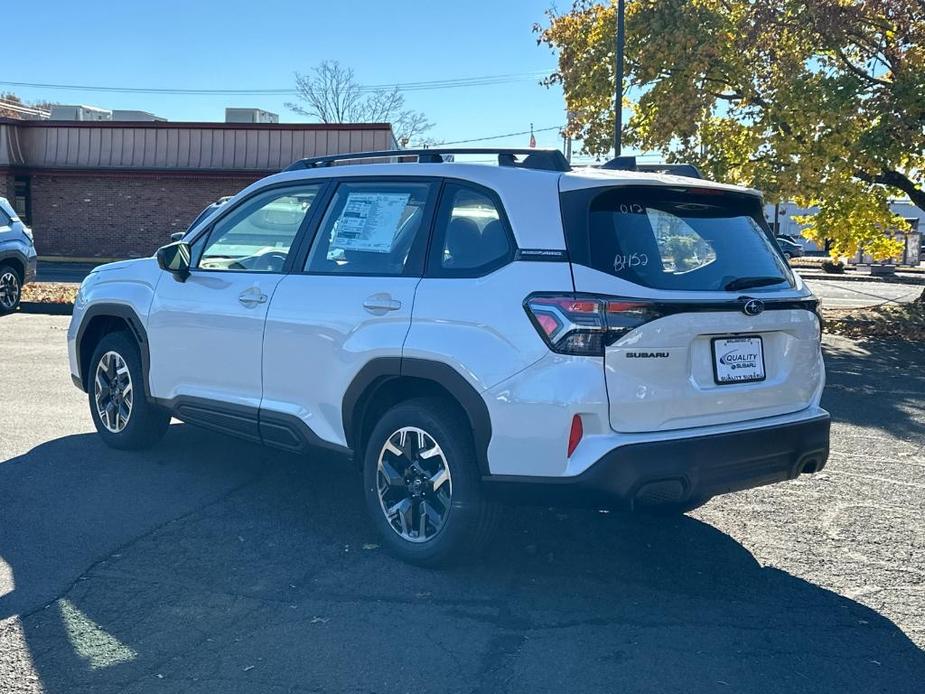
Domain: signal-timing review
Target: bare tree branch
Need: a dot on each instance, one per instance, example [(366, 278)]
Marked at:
[(330, 93), (898, 180)]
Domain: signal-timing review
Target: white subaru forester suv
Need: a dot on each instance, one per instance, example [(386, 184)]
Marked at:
[(469, 333)]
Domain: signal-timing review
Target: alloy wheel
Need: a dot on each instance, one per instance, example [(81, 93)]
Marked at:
[(9, 290), (113, 392), (414, 484)]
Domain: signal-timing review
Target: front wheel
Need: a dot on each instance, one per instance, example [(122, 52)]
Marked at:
[(122, 415), (422, 484), (10, 288)]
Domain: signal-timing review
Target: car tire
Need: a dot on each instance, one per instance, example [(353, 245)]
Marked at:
[(10, 288), (123, 416), (422, 484)]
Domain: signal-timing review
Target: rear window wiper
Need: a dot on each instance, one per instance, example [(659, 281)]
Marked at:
[(748, 282)]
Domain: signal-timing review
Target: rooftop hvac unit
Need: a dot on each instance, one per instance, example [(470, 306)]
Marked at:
[(78, 112), (136, 116), (250, 115)]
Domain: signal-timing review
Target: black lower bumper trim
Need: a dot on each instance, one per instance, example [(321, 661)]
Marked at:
[(680, 471)]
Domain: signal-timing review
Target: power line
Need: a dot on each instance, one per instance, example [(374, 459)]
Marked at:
[(484, 80), (498, 137)]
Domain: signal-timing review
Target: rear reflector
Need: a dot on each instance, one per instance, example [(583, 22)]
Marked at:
[(575, 434)]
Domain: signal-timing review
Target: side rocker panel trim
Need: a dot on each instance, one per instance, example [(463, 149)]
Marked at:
[(279, 430)]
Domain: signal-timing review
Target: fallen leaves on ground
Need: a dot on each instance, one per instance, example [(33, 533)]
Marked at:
[(895, 321), (50, 292)]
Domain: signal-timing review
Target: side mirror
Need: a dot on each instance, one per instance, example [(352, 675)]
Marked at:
[(177, 235), (175, 259)]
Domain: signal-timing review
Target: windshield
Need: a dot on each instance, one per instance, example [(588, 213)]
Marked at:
[(668, 238)]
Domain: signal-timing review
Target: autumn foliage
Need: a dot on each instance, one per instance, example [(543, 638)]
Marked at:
[(819, 101)]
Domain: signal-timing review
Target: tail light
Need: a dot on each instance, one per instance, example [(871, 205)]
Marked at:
[(585, 325)]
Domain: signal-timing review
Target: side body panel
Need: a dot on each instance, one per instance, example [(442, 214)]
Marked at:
[(204, 342), (319, 335), (478, 325), (130, 284)]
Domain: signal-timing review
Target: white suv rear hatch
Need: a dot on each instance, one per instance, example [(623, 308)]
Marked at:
[(706, 323)]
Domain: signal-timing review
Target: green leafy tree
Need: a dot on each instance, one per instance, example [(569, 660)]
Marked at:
[(821, 101)]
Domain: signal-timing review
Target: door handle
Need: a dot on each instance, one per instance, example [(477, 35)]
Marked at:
[(250, 299), (380, 303)]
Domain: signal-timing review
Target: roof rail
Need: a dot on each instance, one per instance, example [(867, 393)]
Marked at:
[(541, 159), (630, 164)]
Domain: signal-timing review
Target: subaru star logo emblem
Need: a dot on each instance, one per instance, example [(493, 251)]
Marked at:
[(753, 307)]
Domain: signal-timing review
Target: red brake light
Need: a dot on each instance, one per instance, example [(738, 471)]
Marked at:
[(575, 434), (624, 306)]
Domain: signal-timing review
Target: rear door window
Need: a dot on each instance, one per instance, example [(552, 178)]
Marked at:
[(667, 238), (471, 237)]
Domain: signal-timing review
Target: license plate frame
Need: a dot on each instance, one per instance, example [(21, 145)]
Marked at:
[(722, 371)]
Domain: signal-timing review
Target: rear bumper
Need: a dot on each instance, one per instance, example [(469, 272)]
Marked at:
[(31, 266), (679, 471)]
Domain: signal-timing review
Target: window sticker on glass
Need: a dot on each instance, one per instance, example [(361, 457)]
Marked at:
[(369, 221)]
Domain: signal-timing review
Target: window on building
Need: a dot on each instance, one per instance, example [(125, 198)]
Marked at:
[(22, 198)]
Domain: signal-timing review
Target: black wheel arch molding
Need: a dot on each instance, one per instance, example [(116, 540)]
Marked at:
[(23, 262), (126, 314), (378, 372)]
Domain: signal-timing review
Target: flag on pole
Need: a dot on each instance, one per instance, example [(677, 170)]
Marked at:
[(532, 137)]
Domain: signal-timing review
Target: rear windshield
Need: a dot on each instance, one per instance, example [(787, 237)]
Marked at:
[(667, 238)]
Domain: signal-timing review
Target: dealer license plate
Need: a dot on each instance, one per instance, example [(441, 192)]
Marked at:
[(738, 360)]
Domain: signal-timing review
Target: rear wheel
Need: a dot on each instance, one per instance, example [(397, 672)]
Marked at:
[(423, 490), (122, 415), (10, 288)]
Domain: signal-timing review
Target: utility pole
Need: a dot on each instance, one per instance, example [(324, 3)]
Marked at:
[(618, 87)]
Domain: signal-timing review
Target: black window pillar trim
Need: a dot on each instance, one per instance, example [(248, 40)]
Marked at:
[(378, 371)]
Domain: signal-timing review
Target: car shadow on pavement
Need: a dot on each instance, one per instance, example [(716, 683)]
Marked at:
[(877, 383), (266, 577)]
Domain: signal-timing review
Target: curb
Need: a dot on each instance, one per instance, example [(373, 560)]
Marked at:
[(46, 308), (847, 277)]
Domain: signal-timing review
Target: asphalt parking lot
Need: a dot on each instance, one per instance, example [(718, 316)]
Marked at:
[(210, 565)]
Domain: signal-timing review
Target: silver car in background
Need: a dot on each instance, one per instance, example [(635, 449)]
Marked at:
[(17, 257)]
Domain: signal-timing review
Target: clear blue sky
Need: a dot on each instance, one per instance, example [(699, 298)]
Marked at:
[(211, 44)]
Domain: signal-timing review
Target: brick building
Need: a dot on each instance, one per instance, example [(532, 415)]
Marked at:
[(116, 189)]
